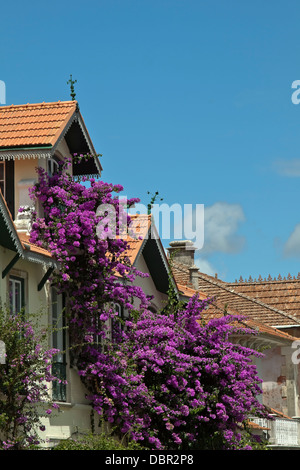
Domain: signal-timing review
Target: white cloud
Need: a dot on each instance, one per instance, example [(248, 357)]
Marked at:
[(292, 246), (290, 168), (220, 226), (205, 266), (221, 222)]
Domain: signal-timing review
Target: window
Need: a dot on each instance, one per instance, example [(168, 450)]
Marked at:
[(152, 309), (118, 310), (118, 325), (121, 312), (58, 342), (7, 183), (96, 334), (53, 165), (16, 294)]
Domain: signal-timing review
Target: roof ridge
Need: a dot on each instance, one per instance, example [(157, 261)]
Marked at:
[(269, 279), (41, 104)]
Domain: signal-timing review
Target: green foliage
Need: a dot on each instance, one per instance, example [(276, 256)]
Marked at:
[(24, 379), (100, 441), (173, 304)]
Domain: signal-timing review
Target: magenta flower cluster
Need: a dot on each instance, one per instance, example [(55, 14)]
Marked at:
[(93, 270), (177, 383), (169, 382)]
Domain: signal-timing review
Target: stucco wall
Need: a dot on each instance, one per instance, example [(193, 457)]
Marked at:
[(36, 301), (75, 414), (26, 175), (280, 380), (148, 285)]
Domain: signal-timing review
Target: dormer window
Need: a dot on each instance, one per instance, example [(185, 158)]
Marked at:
[(61, 133), (53, 165)]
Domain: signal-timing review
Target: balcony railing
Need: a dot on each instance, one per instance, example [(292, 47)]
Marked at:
[(281, 432)]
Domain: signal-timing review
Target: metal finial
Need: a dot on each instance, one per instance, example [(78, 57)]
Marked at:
[(150, 205), (72, 83)]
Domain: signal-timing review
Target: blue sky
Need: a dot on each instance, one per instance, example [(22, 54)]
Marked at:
[(188, 98)]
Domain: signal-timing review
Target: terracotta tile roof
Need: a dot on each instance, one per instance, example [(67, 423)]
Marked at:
[(283, 294), (234, 303), (255, 426), (216, 310), (270, 331), (226, 294), (189, 292), (277, 413), (141, 224), (34, 124), (24, 238)]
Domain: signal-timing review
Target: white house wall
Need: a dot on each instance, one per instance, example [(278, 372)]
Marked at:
[(148, 286), (280, 378), (26, 175), (75, 414), (36, 301)]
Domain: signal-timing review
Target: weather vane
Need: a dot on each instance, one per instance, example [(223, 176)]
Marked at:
[(153, 199), (72, 83)]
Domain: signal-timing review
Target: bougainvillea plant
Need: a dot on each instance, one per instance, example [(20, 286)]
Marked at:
[(177, 383), (25, 376), (95, 271), (168, 380)]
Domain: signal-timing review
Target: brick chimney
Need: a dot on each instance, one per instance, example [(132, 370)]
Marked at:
[(183, 251)]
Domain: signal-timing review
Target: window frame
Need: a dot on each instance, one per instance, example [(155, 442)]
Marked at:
[(59, 341), (7, 183), (14, 279), (53, 164), (122, 314)]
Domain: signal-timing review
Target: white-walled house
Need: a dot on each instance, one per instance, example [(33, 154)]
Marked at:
[(35, 135), (39, 135), (277, 324)]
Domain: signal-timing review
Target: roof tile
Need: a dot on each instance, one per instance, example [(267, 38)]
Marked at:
[(227, 294), (282, 294), (34, 124)]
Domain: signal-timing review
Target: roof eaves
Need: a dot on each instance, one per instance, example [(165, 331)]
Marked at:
[(89, 141), (11, 226), (62, 131), (75, 116), (40, 258), (22, 153)]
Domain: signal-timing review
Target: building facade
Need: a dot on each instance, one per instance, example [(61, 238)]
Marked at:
[(40, 135)]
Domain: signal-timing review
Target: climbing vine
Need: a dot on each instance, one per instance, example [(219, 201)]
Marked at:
[(171, 380)]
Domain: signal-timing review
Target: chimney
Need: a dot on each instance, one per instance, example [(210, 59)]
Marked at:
[(183, 251), (194, 280)]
